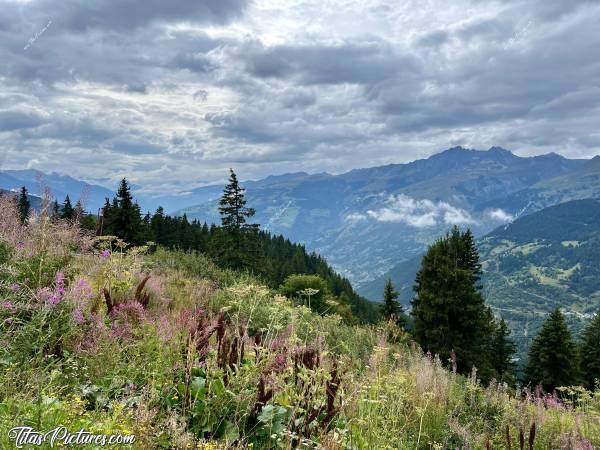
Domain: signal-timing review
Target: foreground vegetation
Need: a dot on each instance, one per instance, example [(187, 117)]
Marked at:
[(169, 347)]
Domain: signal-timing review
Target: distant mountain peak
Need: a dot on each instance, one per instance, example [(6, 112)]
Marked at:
[(500, 150)]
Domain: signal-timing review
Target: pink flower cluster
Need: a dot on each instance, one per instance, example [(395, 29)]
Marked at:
[(9, 306), (52, 297)]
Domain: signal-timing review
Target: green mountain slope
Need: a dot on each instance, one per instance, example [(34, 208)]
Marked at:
[(365, 220), (547, 259), (540, 261)]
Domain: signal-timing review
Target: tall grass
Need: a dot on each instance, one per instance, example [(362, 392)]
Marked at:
[(183, 354)]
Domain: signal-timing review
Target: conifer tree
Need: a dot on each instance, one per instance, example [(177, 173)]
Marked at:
[(232, 206), (502, 351), (67, 209), (552, 360), (590, 353), (448, 309), (126, 218), (237, 246), (55, 209), (24, 205), (391, 308)]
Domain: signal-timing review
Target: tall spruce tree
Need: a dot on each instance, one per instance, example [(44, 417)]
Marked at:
[(391, 308), (503, 350), (24, 205), (238, 244), (67, 209), (448, 308), (552, 360), (55, 210), (590, 353), (126, 217)]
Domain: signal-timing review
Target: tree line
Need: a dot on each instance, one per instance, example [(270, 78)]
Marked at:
[(449, 317), (236, 244)]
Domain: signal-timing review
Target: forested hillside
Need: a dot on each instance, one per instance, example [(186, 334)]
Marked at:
[(170, 349), (541, 261)]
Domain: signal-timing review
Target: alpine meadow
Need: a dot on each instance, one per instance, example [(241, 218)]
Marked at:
[(334, 224)]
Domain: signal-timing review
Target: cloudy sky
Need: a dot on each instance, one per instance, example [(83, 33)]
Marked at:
[(171, 93)]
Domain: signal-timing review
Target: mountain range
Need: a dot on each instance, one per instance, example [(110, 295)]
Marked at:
[(59, 186), (368, 220), (536, 218)]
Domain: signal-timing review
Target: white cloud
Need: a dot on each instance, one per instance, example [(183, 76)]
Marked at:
[(500, 215), (420, 213), (355, 217)]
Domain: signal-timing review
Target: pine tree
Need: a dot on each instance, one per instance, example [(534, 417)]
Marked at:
[(448, 309), (67, 209), (391, 308), (502, 351), (126, 216), (552, 360), (24, 205), (590, 353), (237, 246), (232, 206), (55, 210)]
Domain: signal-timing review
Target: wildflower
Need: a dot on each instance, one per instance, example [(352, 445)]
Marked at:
[(54, 300), (21, 245), (53, 297), (10, 306), (78, 316), (105, 253), (82, 290), (584, 445)]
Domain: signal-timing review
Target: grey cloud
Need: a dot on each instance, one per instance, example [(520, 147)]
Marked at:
[(125, 15), (357, 62), (19, 120), (204, 94), (130, 147)]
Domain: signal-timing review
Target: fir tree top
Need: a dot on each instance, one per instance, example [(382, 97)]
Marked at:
[(552, 356), (24, 205), (232, 206)]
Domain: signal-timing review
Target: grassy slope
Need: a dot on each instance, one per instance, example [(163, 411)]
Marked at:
[(145, 371)]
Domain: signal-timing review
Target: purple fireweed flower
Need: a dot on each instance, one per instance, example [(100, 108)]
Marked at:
[(105, 253), (53, 297), (21, 245), (8, 305), (78, 316), (15, 287), (584, 445), (54, 300), (82, 290)]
